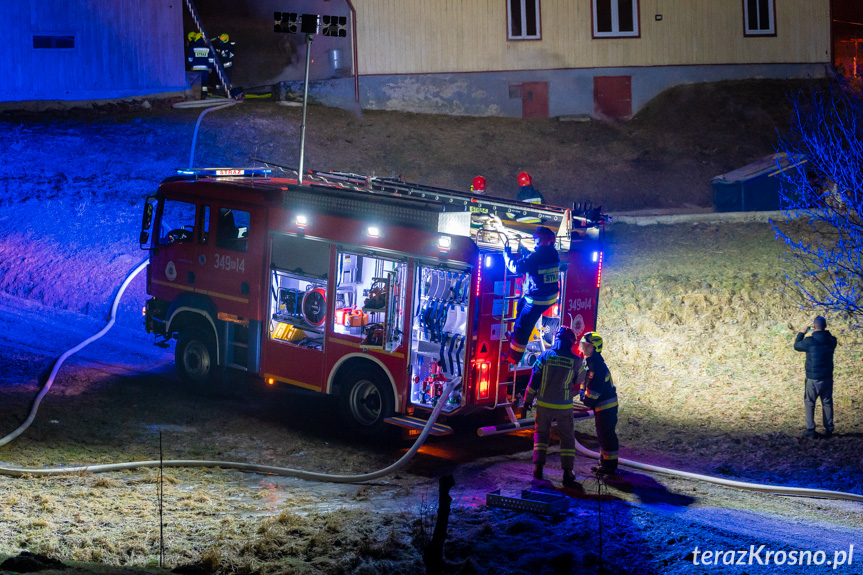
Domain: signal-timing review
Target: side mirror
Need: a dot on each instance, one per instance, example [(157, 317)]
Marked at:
[(144, 237), (147, 220)]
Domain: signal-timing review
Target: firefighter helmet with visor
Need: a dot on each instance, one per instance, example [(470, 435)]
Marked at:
[(594, 339)]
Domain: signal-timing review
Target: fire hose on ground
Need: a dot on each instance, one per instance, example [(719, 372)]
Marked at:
[(283, 471), (324, 477), (760, 487)]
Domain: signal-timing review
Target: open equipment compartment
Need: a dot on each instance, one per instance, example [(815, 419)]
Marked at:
[(370, 299), (438, 334)]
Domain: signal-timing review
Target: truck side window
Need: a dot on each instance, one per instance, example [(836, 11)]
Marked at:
[(177, 223), (232, 229)]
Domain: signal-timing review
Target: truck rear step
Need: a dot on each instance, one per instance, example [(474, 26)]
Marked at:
[(415, 423)]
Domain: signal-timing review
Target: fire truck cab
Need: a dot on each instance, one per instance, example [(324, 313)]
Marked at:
[(376, 290)]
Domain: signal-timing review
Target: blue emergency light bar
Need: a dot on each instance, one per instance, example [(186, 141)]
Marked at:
[(226, 172)]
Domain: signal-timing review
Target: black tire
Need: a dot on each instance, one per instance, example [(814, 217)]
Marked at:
[(366, 400), (195, 359)]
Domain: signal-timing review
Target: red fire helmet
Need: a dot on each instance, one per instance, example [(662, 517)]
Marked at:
[(478, 184), (523, 179)]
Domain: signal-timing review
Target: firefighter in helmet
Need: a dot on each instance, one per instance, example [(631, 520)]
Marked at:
[(190, 39), (597, 392), (526, 192), (478, 185), (552, 387), (540, 289), (224, 48), (200, 60)]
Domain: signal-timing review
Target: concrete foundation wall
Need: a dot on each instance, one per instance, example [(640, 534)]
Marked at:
[(493, 93)]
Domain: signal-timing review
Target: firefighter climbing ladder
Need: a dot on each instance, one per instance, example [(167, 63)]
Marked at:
[(511, 292), (220, 71)]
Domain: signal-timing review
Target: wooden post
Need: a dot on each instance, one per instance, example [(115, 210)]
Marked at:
[(433, 556)]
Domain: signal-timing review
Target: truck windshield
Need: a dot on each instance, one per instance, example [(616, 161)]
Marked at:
[(178, 222)]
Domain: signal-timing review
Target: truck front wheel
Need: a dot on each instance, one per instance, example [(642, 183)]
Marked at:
[(195, 358), (366, 401)]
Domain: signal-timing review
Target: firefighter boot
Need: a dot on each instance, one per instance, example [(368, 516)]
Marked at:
[(569, 478), (537, 470), (604, 469)]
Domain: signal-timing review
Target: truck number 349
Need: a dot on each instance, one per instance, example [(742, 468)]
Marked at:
[(230, 264)]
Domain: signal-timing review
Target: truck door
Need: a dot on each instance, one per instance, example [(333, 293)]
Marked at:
[(298, 292), (174, 247), (228, 263)]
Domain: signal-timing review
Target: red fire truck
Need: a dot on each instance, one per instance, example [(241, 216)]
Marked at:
[(373, 289)]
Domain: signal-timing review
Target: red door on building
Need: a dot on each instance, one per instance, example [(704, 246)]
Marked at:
[(612, 96), (534, 100)]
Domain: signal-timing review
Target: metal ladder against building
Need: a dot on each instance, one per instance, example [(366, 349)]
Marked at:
[(220, 70)]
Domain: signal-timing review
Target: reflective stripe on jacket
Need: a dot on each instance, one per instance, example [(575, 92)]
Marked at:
[(199, 55), (552, 378)]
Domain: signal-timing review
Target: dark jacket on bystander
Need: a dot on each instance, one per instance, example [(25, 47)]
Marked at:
[(819, 353)]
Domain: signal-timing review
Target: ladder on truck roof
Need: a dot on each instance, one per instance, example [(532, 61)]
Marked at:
[(518, 218), (454, 199), (459, 201)]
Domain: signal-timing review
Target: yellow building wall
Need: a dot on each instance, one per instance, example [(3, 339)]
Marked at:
[(427, 36)]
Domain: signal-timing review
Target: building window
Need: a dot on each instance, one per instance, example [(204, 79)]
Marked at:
[(615, 18), (523, 19), (759, 18), (53, 42)]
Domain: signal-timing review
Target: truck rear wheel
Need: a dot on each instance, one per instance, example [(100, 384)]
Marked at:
[(366, 401), (195, 358)]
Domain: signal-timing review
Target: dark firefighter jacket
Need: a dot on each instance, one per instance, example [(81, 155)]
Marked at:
[(225, 51), (199, 55), (529, 195), (552, 377), (598, 389), (542, 269), (819, 353)]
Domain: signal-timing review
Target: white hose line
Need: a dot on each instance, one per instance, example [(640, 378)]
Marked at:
[(208, 103), (309, 475), (761, 487), (283, 471), (220, 106), (50, 381)]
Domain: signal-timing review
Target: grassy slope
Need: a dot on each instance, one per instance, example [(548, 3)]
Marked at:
[(696, 318), (699, 325)]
